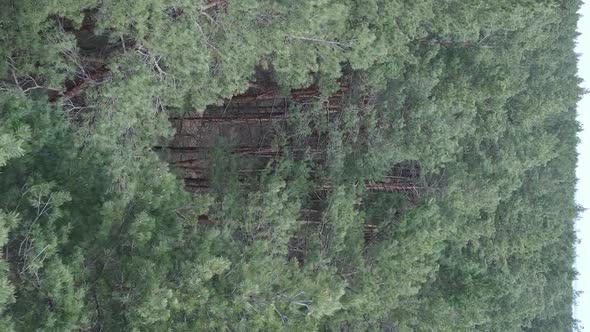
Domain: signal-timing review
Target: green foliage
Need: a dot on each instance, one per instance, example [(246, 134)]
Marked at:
[(469, 106)]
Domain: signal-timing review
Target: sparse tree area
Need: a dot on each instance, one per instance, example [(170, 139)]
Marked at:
[(256, 165)]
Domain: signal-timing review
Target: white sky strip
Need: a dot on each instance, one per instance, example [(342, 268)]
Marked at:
[(582, 308)]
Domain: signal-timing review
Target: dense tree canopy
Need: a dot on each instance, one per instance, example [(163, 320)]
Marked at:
[(256, 165)]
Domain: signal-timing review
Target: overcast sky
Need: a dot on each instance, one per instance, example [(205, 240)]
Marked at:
[(582, 310)]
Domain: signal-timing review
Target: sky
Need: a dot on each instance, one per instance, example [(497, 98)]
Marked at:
[(582, 309)]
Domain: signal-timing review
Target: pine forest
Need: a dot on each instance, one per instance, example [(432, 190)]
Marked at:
[(282, 165)]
